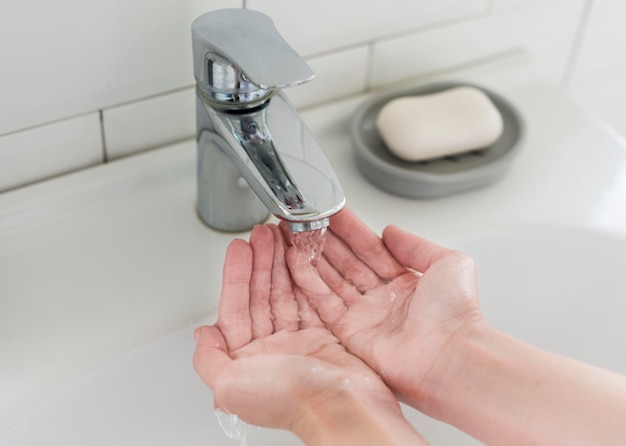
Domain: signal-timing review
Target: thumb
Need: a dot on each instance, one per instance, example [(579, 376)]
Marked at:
[(211, 357), (412, 251)]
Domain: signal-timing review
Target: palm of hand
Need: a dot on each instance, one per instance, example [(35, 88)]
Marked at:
[(267, 330), (303, 350), (387, 313)]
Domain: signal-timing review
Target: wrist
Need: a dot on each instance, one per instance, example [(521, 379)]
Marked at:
[(501, 390), (430, 395), (349, 416)]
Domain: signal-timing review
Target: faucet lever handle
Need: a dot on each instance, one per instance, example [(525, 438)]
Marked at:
[(249, 40)]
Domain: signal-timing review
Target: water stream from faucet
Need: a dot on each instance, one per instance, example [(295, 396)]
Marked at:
[(234, 427), (310, 242)]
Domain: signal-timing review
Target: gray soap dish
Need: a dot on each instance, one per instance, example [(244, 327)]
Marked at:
[(437, 177)]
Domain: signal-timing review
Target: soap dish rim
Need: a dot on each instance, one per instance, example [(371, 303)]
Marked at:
[(424, 184)]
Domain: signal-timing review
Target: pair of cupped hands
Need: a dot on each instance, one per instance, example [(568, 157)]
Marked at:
[(370, 319)]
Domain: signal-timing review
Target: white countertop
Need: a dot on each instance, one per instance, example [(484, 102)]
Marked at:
[(95, 263)]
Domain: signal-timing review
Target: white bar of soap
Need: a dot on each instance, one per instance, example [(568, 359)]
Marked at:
[(417, 128)]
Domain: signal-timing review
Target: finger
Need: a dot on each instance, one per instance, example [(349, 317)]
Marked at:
[(348, 265), (282, 297), (329, 306), (284, 230), (210, 358), (262, 243), (308, 315), (365, 244), (233, 316), (415, 252), (337, 283)]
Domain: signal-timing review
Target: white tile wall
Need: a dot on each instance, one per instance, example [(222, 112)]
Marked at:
[(602, 53), (149, 123), (83, 57), (598, 75), (50, 150), (438, 48), (130, 60), (323, 25), (503, 5), (337, 74)]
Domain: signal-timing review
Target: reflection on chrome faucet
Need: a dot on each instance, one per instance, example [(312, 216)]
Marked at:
[(246, 128), (256, 140)]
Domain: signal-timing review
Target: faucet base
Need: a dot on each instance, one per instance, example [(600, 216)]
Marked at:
[(225, 200)]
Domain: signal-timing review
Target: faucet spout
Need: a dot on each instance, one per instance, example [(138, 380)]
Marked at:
[(253, 134), (248, 130)]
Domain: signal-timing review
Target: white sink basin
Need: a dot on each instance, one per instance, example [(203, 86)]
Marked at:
[(559, 289)]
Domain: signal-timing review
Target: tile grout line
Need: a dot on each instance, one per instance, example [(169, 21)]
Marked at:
[(101, 111), (103, 137), (399, 34), (577, 42)]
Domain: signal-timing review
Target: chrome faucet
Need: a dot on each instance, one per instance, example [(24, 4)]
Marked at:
[(251, 141)]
